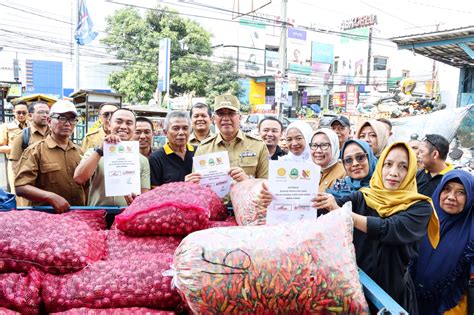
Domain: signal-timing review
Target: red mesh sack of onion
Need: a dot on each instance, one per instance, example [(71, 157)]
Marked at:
[(21, 293), (114, 311), (172, 209), (134, 282), (94, 218), (121, 246), (52, 243)]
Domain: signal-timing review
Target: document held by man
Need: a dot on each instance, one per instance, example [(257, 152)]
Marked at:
[(214, 168), (122, 168)]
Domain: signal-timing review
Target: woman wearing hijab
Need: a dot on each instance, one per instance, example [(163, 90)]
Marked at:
[(325, 153), (441, 275), (298, 136), (375, 134), (359, 163), (390, 219)]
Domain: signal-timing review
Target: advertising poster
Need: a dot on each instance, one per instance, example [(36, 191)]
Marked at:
[(298, 52), (252, 47), (272, 62), (352, 99)]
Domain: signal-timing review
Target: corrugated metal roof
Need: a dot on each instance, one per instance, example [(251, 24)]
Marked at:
[(442, 46)]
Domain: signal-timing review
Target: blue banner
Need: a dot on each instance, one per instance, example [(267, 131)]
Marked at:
[(322, 52), (84, 32)]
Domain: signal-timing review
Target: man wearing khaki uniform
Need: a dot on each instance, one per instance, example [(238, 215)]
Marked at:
[(8, 132), (248, 155), (37, 131), (95, 138), (46, 169)]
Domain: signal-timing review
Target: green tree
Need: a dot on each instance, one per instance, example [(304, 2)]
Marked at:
[(135, 40)]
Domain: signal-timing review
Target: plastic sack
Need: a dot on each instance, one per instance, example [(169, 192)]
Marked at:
[(135, 282), (94, 218), (52, 243), (115, 311), (121, 246), (7, 200), (244, 197), (171, 209), (20, 292), (305, 267)]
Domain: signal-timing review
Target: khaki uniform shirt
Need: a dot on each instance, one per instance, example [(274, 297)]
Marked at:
[(329, 176), (9, 131), (195, 142), (245, 151), (93, 139), (47, 166), (35, 136)]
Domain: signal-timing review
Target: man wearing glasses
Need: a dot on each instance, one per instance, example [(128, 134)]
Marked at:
[(37, 131), (8, 132), (432, 153), (248, 155), (95, 138), (45, 170)]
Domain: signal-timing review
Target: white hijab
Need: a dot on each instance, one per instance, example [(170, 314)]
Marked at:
[(306, 131), (334, 140)]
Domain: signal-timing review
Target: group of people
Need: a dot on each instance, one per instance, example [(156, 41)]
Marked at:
[(412, 213)]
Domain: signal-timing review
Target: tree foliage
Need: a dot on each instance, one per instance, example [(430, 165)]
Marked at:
[(135, 39)]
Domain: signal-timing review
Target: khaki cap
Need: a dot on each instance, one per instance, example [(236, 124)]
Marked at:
[(227, 101)]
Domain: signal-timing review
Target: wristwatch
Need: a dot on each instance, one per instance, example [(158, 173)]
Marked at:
[(99, 151)]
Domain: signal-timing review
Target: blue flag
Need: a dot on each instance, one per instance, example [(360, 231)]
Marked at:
[(84, 32)]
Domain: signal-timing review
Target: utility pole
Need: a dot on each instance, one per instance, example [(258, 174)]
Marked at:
[(369, 56), (282, 55), (434, 76), (76, 47)]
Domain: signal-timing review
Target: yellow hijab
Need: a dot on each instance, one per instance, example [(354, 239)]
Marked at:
[(388, 202)]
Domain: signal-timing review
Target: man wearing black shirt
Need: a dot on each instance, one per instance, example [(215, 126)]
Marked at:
[(432, 153), (174, 160), (271, 130)]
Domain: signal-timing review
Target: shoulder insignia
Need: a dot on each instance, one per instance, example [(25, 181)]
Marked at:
[(254, 137), (208, 139)]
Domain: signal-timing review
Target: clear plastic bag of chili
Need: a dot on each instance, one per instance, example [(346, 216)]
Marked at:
[(245, 201), (300, 267)]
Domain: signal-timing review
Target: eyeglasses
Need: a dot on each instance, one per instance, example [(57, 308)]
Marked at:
[(323, 146), (63, 119), (425, 139), (107, 114), (21, 113), (229, 114), (42, 112), (359, 158)]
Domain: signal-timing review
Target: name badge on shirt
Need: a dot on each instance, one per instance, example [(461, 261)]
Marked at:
[(247, 153)]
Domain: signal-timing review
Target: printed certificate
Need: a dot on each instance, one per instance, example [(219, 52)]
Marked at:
[(121, 168)]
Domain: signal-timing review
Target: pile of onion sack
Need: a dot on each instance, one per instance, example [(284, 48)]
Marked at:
[(293, 268)]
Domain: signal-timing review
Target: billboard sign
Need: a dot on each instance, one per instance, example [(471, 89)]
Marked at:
[(322, 53)]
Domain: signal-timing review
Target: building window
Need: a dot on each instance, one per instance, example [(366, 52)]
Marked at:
[(380, 63), (405, 73)]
